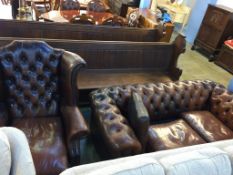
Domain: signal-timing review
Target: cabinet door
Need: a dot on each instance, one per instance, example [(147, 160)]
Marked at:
[(216, 18), (226, 58), (209, 35)]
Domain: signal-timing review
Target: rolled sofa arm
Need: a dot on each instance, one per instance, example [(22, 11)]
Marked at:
[(222, 105), (112, 126), (139, 118), (75, 127)]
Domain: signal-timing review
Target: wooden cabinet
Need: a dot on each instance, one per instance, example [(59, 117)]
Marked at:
[(225, 58), (216, 27)]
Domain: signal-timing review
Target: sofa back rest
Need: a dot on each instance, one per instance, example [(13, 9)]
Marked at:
[(165, 100), (30, 72)]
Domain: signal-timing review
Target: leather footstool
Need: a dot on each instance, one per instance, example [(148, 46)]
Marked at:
[(207, 126), (172, 135)]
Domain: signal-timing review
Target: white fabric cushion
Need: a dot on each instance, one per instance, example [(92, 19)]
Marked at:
[(147, 166), (206, 161), (22, 163), (5, 155), (229, 150)]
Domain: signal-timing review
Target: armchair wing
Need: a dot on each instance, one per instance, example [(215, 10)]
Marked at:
[(139, 118), (75, 125), (70, 66)]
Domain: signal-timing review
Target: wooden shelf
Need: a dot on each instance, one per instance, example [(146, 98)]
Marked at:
[(91, 79)]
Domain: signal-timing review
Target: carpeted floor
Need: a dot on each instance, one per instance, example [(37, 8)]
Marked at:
[(197, 66)]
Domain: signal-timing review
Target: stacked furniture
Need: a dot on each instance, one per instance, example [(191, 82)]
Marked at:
[(216, 27), (38, 96), (140, 118)]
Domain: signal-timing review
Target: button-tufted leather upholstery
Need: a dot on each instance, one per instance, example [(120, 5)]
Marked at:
[(31, 80), (164, 103), (222, 106), (38, 84), (70, 5)]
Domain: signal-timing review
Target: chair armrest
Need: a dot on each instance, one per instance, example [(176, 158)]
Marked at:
[(70, 65), (139, 118), (75, 128), (115, 131)]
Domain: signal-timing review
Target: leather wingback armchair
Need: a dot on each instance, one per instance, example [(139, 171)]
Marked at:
[(38, 86), (133, 119)]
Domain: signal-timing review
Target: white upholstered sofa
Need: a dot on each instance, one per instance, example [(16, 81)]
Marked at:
[(206, 159), (15, 155)]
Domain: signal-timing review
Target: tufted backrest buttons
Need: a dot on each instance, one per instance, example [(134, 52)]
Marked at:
[(8, 58), (39, 57), (222, 105), (31, 74), (161, 99)]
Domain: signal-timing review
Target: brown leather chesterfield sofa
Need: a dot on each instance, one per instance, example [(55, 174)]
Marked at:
[(38, 96), (140, 118)]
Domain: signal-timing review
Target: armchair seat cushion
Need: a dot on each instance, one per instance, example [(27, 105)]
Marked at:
[(47, 146), (207, 126), (172, 135)]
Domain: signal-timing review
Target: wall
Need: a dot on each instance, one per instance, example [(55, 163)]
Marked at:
[(5, 11), (227, 3), (196, 16)]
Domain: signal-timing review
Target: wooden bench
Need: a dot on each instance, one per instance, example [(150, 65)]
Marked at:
[(120, 63), (55, 30)]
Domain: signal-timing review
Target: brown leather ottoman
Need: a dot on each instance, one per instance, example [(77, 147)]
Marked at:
[(207, 126), (172, 135)]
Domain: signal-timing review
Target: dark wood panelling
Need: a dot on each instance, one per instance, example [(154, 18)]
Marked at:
[(53, 30)]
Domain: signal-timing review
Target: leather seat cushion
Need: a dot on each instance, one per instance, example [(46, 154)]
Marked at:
[(46, 143), (172, 135), (207, 126)]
